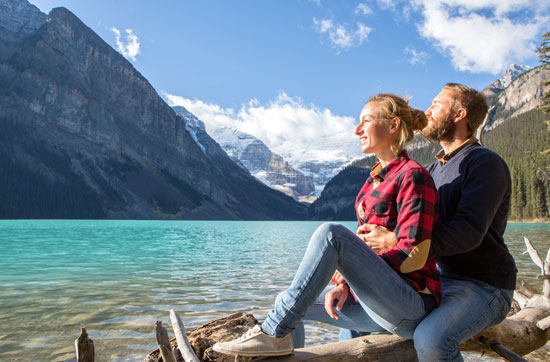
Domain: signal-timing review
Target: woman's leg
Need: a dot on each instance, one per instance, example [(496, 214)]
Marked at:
[(386, 297), (352, 316)]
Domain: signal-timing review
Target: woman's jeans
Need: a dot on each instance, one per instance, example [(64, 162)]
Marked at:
[(386, 301)]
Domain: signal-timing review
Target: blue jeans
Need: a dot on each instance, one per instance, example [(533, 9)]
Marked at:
[(386, 301), (354, 321), (467, 308)]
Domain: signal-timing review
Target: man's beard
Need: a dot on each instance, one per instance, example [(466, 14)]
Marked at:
[(438, 130)]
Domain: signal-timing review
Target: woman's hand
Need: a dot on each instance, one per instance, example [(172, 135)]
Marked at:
[(377, 237), (338, 278), (340, 294)]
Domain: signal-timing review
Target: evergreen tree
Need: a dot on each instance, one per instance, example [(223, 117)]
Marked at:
[(544, 58)]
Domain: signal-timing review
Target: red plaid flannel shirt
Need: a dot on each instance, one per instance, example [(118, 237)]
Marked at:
[(402, 197)]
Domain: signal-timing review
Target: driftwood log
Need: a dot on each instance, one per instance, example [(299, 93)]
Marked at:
[(526, 329), (184, 346), (84, 346), (163, 341)]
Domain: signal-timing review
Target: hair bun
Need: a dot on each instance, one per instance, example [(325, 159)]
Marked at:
[(419, 119)]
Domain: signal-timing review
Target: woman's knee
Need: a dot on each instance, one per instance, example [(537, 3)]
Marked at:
[(328, 228), (329, 231)]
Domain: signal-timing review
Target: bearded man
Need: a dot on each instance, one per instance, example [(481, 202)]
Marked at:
[(477, 270)]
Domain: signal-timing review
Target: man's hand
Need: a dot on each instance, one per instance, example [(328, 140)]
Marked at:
[(377, 237), (340, 294)]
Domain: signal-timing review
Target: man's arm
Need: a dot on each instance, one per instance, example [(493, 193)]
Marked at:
[(486, 186)]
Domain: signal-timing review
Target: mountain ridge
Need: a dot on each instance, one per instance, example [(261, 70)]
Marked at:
[(88, 120)]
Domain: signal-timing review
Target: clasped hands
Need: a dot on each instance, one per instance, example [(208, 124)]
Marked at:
[(379, 239)]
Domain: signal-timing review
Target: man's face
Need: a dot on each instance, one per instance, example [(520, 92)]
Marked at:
[(441, 126)]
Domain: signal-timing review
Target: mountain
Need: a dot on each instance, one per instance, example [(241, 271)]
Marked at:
[(338, 197), (515, 130), (521, 95), (84, 135), (268, 167), (18, 20)]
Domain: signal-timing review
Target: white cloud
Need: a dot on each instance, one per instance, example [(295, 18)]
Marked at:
[(482, 35), (341, 37), (131, 49), (363, 9), (416, 57), (362, 32), (289, 127), (386, 4)]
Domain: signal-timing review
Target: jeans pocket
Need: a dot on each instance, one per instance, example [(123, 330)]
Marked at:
[(405, 328)]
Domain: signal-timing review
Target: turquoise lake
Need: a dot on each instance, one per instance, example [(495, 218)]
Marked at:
[(116, 278)]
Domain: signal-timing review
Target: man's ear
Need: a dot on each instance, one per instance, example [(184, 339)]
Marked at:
[(461, 114)]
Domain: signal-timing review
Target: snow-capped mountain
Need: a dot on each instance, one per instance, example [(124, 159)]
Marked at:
[(265, 165), (508, 76), (252, 155), (511, 73)]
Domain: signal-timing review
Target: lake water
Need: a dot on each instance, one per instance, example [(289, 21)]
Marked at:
[(116, 278)]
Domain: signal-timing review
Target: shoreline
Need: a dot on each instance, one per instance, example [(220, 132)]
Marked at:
[(531, 221)]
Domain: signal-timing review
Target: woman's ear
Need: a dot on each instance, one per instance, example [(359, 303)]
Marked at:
[(394, 125)]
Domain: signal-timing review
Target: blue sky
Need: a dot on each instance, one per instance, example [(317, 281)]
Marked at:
[(304, 64)]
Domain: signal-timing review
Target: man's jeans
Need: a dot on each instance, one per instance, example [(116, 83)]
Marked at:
[(386, 301), (467, 308)]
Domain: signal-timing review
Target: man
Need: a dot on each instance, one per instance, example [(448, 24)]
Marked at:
[(477, 271)]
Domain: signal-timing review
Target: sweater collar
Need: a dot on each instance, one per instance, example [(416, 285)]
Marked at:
[(444, 158)]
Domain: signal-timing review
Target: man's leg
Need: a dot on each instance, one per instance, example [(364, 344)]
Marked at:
[(387, 298), (467, 307)]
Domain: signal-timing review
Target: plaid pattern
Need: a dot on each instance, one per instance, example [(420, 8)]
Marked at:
[(402, 197)]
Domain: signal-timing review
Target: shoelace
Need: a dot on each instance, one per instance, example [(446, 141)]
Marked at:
[(248, 334)]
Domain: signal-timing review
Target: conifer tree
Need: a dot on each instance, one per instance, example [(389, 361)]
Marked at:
[(544, 58)]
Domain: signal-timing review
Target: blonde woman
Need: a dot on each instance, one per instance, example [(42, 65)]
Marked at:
[(391, 291)]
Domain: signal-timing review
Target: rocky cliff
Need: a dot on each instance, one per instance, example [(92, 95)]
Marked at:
[(96, 140), (18, 20), (518, 96)]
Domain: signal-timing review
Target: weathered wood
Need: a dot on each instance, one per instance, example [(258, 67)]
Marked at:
[(164, 343), (533, 253), (544, 266), (202, 338), (368, 348), (184, 347), (84, 346), (503, 351), (544, 323)]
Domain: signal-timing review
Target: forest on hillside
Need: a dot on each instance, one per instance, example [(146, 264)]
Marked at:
[(524, 143)]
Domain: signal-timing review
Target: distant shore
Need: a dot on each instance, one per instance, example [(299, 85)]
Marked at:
[(532, 221)]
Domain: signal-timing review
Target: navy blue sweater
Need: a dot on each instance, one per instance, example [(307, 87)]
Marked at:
[(474, 191)]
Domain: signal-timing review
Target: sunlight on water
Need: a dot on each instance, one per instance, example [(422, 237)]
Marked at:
[(116, 278)]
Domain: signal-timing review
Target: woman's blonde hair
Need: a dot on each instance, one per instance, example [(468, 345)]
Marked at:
[(389, 106)]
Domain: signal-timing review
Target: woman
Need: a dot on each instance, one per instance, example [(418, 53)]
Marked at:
[(392, 291)]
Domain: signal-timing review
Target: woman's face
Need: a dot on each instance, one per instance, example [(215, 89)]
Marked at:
[(374, 133)]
